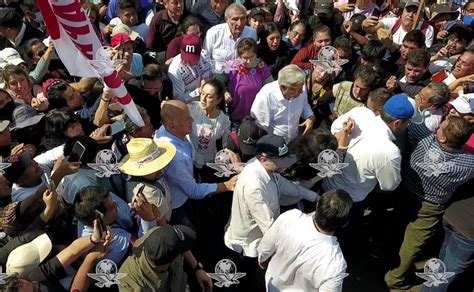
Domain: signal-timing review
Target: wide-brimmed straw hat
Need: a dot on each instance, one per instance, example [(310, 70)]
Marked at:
[(146, 156)]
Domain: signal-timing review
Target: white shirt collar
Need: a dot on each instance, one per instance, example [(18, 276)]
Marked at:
[(262, 172), (20, 35)]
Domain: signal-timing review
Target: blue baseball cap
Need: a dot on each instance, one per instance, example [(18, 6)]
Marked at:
[(399, 107)]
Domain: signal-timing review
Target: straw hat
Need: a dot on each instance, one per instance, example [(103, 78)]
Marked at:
[(27, 257), (146, 156)]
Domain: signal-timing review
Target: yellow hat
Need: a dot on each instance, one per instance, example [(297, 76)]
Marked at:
[(146, 156)]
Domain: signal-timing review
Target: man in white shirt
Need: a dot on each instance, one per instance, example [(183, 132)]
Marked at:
[(279, 105), (302, 251), (401, 26), (188, 69), (256, 204), (372, 156), (222, 39)]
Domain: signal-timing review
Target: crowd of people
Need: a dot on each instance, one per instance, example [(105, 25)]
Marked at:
[(319, 115)]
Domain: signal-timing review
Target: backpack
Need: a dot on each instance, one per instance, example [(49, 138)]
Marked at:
[(422, 26)]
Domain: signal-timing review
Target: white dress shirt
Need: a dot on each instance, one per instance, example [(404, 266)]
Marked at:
[(302, 258), (277, 115), (372, 156), (255, 205), (221, 46)]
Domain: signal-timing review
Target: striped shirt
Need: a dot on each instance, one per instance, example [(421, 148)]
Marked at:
[(432, 172)]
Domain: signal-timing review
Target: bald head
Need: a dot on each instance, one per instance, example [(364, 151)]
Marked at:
[(176, 118), (172, 109)]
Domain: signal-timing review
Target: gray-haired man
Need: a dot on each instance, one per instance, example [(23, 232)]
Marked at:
[(280, 104)]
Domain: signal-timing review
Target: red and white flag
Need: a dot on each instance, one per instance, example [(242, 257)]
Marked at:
[(81, 51)]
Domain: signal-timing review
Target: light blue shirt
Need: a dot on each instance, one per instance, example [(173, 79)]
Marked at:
[(119, 246), (179, 173)]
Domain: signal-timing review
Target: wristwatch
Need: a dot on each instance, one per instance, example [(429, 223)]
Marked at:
[(198, 267)]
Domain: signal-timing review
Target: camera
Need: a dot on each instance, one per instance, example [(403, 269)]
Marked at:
[(468, 87)]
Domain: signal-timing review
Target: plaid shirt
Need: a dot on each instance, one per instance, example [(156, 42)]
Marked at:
[(433, 173)]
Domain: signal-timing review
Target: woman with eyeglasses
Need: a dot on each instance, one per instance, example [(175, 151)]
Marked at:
[(272, 50), (295, 37), (245, 79)]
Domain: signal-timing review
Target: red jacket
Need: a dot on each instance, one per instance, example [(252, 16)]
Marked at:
[(304, 55)]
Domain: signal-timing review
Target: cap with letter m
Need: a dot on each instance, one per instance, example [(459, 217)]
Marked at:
[(191, 46)]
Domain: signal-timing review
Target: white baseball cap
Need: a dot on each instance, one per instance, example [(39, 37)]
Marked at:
[(27, 257), (464, 104), (11, 56)]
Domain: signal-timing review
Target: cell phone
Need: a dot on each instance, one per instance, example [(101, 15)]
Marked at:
[(77, 151), (440, 76), (116, 128), (376, 13), (47, 181), (140, 191), (102, 227)]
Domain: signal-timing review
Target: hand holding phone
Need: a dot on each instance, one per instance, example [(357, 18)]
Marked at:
[(48, 182), (116, 128), (77, 152), (102, 227), (135, 197)]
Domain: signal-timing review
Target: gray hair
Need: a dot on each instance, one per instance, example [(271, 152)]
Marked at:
[(442, 94), (232, 7), (291, 75)]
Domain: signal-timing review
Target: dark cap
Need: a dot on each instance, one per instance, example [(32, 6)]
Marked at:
[(275, 148), (19, 163), (324, 7), (191, 46), (167, 242), (257, 11), (25, 116), (248, 135)]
